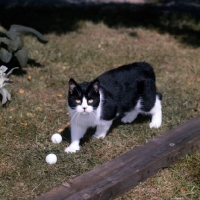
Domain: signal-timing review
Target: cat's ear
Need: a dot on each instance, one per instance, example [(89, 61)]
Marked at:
[(96, 85), (93, 87), (72, 85)]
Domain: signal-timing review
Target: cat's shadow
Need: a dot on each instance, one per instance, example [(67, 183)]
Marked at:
[(66, 133)]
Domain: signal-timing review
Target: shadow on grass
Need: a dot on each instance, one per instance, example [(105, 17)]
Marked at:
[(178, 18), (20, 71), (66, 133)]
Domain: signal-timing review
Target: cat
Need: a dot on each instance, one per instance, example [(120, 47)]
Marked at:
[(128, 90)]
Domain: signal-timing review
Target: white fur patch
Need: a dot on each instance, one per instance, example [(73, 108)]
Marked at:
[(72, 148), (102, 129), (156, 113), (130, 116)]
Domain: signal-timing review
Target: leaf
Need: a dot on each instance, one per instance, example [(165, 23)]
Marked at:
[(22, 57), (39, 108), (5, 40), (11, 34), (60, 130), (21, 91), (29, 77), (67, 124), (5, 56), (16, 44), (2, 33), (3, 68), (12, 45), (6, 95), (29, 114), (24, 124), (20, 29), (59, 95), (11, 71), (182, 191)]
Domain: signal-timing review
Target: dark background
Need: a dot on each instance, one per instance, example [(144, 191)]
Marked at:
[(178, 18)]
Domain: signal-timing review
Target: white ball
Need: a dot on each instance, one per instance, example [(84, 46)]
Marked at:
[(56, 138), (51, 158)]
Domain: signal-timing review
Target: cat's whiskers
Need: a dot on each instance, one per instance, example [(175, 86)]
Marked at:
[(90, 117), (77, 118), (93, 115), (74, 116)]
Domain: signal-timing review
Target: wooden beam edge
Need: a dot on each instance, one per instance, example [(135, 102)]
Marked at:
[(106, 181)]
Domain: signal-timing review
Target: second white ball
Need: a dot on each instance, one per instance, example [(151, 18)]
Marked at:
[(56, 138), (51, 158)]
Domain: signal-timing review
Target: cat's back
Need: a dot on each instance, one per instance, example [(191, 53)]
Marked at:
[(127, 74)]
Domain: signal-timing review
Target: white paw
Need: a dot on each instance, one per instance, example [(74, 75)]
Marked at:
[(102, 135), (72, 149), (155, 124), (125, 119)]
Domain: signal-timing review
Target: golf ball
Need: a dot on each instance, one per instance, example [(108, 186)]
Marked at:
[(56, 138), (51, 158)]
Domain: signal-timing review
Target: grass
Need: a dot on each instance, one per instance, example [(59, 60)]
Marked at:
[(83, 47)]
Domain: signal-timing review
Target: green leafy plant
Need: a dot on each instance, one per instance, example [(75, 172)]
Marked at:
[(11, 44)]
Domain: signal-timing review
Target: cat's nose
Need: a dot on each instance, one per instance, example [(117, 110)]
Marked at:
[(84, 108)]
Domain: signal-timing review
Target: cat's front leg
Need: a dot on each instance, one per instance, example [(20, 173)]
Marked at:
[(102, 129), (77, 133)]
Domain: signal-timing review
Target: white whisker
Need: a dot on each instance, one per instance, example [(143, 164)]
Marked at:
[(73, 111), (90, 118), (93, 114), (77, 119), (74, 116)]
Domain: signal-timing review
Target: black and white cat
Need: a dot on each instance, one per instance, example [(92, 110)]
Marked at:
[(128, 90)]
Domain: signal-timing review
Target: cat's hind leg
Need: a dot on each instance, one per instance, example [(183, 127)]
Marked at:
[(156, 113), (130, 116), (151, 102), (102, 129)]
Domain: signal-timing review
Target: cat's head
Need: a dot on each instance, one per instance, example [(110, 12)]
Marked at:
[(83, 98)]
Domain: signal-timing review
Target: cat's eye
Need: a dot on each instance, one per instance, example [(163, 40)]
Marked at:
[(90, 100), (78, 101)]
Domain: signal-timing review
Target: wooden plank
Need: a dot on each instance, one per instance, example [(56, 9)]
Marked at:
[(115, 177)]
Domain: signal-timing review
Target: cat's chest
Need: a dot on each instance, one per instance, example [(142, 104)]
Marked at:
[(91, 119), (86, 120)]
